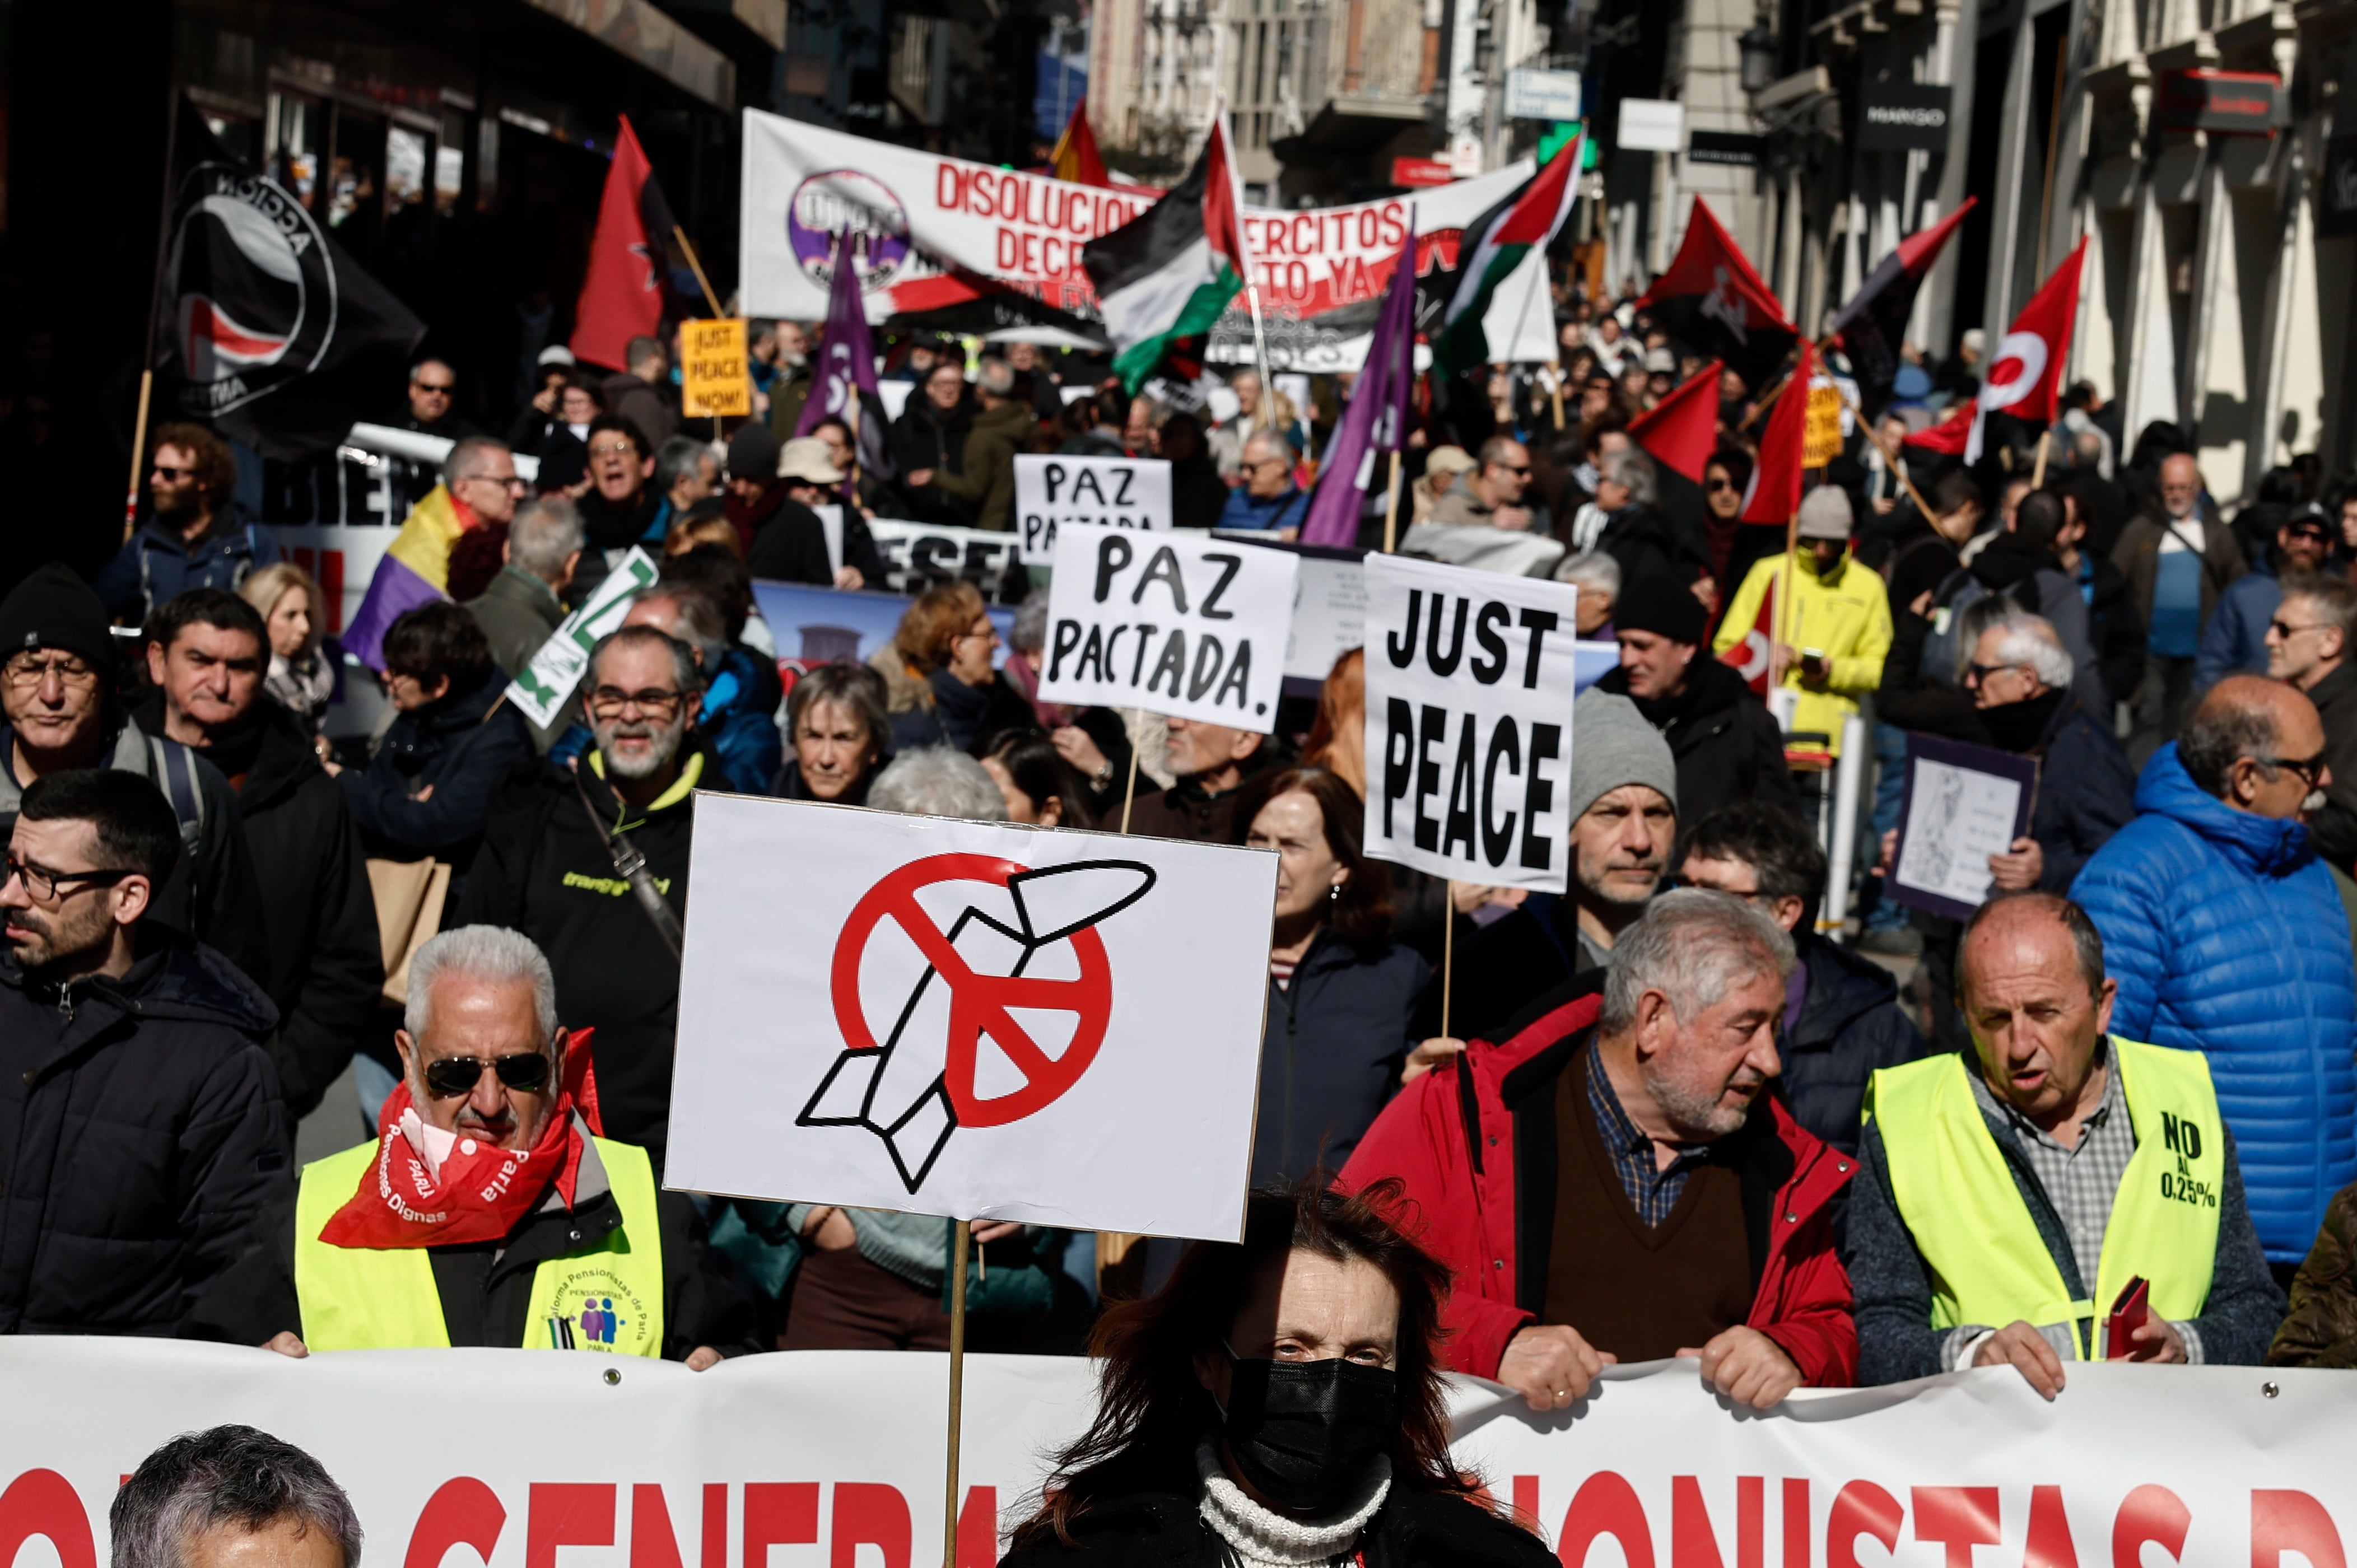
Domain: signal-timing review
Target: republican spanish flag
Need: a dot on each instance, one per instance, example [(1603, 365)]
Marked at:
[(415, 570)]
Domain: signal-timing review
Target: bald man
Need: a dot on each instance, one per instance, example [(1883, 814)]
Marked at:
[(2177, 558), (2228, 936), (2013, 1193)]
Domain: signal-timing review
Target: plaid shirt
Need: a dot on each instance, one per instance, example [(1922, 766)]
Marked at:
[(1652, 1191), (2081, 1183)]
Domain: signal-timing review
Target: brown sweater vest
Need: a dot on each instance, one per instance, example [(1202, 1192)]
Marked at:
[(1642, 1294)]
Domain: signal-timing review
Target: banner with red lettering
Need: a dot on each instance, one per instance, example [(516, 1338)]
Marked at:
[(926, 229), (539, 1459)]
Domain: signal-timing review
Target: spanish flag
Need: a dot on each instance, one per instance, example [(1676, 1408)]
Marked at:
[(1076, 158)]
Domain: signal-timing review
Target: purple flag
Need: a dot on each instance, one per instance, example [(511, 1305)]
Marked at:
[(846, 367), (1376, 420)]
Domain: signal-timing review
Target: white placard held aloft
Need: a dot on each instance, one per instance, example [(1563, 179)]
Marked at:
[(542, 688), (1108, 492), (1470, 681), (970, 1019), (1188, 628)]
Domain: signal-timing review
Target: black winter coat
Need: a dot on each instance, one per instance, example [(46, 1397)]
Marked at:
[(545, 871), (140, 1134), (1850, 1027), (1330, 1051), (470, 746), (1727, 744), (1165, 1530), (325, 961)]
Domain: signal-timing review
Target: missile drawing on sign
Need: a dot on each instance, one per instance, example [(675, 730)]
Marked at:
[(931, 1074)]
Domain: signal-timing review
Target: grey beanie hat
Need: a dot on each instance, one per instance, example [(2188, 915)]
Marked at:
[(1612, 745)]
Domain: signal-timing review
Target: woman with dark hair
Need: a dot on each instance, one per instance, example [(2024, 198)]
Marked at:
[(1725, 479), (452, 747), (1341, 991), (1277, 1404), (1041, 787), (837, 736)]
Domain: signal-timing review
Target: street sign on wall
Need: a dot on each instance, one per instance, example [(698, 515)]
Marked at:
[(1534, 94), (1651, 125), (1902, 116)]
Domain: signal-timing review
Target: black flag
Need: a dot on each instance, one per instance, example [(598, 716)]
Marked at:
[(271, 334)]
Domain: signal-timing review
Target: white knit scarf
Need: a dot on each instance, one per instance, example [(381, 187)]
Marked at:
[(1262, 1538)]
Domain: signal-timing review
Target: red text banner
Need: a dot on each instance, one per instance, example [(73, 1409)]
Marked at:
[(835, 1460)]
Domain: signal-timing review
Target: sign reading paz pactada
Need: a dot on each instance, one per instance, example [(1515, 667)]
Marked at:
[(1102, 492), (1189, 628), (982, 1021), (1470, 681)]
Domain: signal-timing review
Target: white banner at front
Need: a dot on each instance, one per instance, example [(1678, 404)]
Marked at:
[(834, 1459), (918, 220)]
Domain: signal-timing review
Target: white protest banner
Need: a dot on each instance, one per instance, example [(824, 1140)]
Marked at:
[(918, 555), (1187, 626), (969, 1019), (917, 221), (542, 688), (1108, 492), (827, 1459), (1471, 679)]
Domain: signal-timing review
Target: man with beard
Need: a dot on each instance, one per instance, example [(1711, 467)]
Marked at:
[(139, 1125), (1520, 954), (488, 1209), (189, 542), (205, 655), (790, 385), (548, 869), (1726, 746), (56, 688), (1636, 1192)]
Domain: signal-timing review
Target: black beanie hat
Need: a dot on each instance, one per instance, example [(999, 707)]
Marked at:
[(1657, 604), (753, 454), (55, 609)]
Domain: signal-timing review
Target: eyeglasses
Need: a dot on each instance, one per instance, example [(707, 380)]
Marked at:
[(1717, 486), (2310, 770), (526, 1072), (440, 389), (2289, 632), (27, 669), (167, 471), (614, 449), (43, 884), (1523, 472), (608, 701), (1976, 674), (505, 481)]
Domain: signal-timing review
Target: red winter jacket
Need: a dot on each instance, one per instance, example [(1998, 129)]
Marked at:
[(1449, 1138)]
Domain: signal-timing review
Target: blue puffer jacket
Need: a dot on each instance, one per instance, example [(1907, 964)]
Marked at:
[(2226, 937)]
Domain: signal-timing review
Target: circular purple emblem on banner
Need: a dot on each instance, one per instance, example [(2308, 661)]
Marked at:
[(858, 206)]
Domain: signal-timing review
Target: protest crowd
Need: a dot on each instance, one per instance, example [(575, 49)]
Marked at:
[(2102, 1108)]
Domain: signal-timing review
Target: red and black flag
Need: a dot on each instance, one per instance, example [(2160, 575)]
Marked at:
[(271, 334), (1711, 299), (623, 296), (1874, 323)]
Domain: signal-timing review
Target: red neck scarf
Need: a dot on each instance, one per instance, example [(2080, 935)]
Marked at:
[(480, 1193)]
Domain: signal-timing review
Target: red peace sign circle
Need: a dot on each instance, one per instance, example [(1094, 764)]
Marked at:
[(979, 1003)]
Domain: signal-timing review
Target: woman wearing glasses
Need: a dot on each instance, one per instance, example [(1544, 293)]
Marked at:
[(940, 671)]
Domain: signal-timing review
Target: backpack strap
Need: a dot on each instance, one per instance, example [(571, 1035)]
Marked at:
[(175, 768)]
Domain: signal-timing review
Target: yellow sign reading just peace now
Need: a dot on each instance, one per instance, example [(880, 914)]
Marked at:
[(715, 379), (1820, 431)]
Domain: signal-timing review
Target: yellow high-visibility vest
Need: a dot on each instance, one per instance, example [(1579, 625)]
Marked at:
[(607, 1296), (1988, 1262)]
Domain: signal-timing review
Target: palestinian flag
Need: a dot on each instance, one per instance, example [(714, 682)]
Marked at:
[(1494, 245), (1165, 276), (1874, 322)]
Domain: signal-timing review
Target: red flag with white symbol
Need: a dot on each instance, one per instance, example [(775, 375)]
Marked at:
[(2025, 372), (1749, 656)]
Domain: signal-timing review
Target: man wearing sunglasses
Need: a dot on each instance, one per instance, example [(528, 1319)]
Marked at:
[(1491, 495), (140, 1129), (546, 870), (490, 1208), (189, 539), (2228, 936), (2308, 645)]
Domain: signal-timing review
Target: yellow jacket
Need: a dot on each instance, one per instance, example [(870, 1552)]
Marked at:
[(1846, 616)]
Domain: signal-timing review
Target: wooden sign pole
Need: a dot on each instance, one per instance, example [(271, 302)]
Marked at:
[(958, 1253)]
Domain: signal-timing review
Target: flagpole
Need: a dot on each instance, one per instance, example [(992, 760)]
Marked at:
[(155, 305), (960, 1247), (1896, 459), (688, 246)]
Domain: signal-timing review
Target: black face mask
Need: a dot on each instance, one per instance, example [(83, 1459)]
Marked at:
[(1303, 1432)]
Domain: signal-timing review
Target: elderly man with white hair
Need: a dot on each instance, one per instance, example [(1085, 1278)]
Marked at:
[(488, 1209), (1615, 1183), (1268, 501)]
